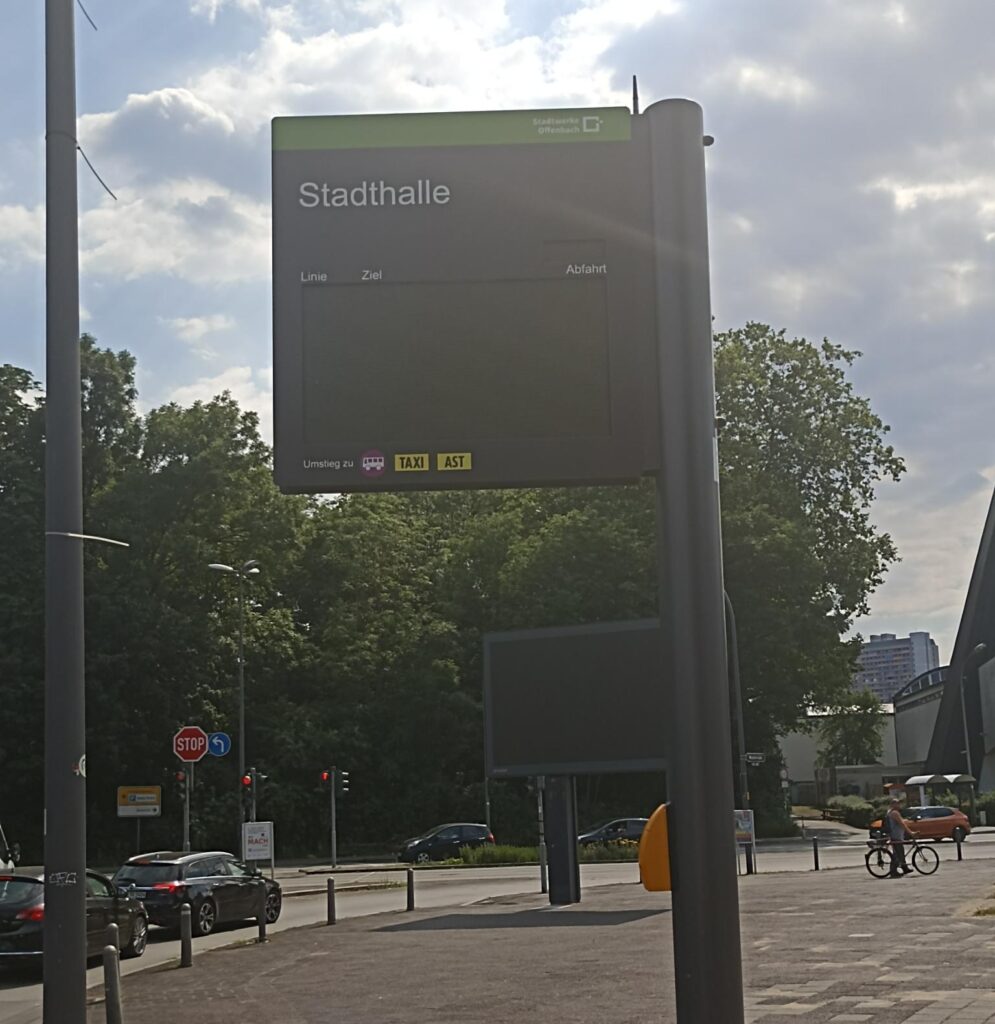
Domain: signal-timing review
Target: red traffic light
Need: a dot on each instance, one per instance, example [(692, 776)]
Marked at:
[(246, 781), (326, 775), (180, 776)]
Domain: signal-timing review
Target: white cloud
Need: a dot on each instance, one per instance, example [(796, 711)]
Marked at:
[(193, 329), (194, 229), (22, 235), (251, 389), (770, 83), (210, 8)]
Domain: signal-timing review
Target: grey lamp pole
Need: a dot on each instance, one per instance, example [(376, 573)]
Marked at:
[(250, 568), (975, 656)]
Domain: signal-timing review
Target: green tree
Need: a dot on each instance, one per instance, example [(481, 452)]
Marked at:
[(800, 454), (851, 731)]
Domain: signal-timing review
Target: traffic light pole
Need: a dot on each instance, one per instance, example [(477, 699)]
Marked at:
[(334, 837), (64, 968)]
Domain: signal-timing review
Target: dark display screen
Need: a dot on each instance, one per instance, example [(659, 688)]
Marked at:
[(455, 360), (575, 700)]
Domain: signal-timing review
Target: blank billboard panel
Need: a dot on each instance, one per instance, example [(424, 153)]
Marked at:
[(578, 700)]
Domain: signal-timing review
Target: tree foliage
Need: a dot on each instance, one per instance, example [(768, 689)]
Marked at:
[(363, 629), (851, 731)]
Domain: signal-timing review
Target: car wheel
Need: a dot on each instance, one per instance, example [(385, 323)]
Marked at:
[(958, 835), (274, 904), (205, 918), (423, 857), (139, 938)]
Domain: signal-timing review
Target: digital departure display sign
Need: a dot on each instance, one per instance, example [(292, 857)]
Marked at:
[(461, 300)]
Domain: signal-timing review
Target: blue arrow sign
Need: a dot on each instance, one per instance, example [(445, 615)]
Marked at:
[(219, 743)]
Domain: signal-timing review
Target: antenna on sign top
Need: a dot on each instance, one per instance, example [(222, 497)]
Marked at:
[(635, 95)]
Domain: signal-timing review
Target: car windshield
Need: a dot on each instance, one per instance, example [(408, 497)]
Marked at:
[(19, 891), (146, 874)]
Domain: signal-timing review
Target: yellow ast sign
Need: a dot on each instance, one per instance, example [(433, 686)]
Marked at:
[(454, 460), (411, 462)]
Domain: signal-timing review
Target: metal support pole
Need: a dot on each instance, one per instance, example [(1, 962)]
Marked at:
[(707, 953), (411, 889), (64, 984), (186, 936), (960, 852), (331, 901), (332, 818), (561, 822), (543, 874), (138, 835), (963, 719), (112, 985), (241, 681), (743, 796), (487, 801), (815, 852), (186, 807)]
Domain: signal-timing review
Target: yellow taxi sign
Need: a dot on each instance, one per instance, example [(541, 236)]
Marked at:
[(654, 852), (411, 462), (454, 460)]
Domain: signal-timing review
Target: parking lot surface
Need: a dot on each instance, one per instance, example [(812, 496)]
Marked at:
[(832, 946)]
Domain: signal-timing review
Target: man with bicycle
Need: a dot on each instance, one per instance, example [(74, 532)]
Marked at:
[(897, 832)]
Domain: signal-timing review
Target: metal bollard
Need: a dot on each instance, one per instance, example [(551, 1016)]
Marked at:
[(815, 852), (411, 889), (186, 936), (261, 916), (331, 901), (113, 936), (112, 986), (960, 854)]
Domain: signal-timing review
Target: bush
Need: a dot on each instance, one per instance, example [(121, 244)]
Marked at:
[(492, 854), (856, 811), (621, 849)]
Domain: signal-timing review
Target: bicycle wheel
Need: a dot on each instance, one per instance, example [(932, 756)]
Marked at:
[(925, 860), (878, 861)]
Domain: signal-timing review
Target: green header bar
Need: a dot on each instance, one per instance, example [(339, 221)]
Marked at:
[(483, 128)]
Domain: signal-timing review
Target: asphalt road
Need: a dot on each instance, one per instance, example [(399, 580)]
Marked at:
[(20, 991)]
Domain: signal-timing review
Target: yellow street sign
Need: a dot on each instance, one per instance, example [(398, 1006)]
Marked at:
[(139, 801), (411, 462), (454, 460)]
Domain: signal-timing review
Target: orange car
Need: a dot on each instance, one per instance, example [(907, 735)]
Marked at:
[(934, 823)]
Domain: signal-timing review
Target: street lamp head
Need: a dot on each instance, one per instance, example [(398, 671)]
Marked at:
[(220, 567), (251, 566)]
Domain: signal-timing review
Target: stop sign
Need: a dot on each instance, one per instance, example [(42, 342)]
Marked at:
[(190, 743)]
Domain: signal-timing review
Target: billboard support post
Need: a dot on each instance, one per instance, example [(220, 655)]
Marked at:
[(561, 839), (707, 954)]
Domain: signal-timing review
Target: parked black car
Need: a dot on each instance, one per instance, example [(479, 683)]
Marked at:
[(620, 828), (22, 917), (216, 885), (444, 841)]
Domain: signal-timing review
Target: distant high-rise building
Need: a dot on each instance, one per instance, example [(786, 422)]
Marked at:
[(887, 662)]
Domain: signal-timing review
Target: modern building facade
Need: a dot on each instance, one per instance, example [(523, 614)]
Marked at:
[(887, 662), (967, 707), (916, 706)]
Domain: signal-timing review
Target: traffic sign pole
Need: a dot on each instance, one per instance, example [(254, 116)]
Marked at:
[(335, 852), (186, 810)]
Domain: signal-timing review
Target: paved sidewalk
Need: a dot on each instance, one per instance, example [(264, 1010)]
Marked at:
[(818, 947)]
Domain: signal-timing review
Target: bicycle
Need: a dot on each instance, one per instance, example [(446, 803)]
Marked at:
[(878, 858)]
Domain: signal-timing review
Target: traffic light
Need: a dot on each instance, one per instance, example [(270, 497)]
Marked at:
[(247, 784), (344, 778), (326, 775), (180, 778)]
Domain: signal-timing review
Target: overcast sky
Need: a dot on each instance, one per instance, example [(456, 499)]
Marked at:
[(851, 189)]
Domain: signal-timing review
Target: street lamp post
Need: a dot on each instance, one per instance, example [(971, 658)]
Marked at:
[(975, 656), (247, 570)]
